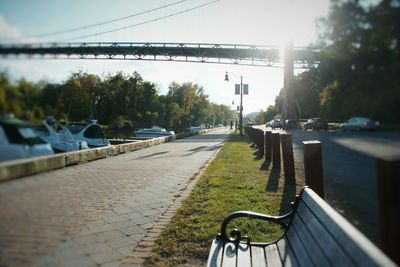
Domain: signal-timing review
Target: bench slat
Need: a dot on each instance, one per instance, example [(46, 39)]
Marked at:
[(272, 255), (285, 251), (311, 245), (323, 238), (258, 257), (215, 256), (297, 246), (361, 249), (243, 255)]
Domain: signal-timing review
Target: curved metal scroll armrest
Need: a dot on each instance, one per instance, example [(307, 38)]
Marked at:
[(281, 220)]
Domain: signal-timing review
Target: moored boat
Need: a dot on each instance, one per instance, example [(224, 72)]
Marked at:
[(19, 141), (59, 137), (90, 132), (153, 132)]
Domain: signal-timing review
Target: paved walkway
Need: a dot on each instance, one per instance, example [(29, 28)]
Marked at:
[(103, 213)]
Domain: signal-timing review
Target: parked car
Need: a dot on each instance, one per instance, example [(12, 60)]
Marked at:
[(274, 124), (291, 124), (358, 124), (316, 124)]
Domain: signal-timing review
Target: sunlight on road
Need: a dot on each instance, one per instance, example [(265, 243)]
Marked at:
[(381, 148)]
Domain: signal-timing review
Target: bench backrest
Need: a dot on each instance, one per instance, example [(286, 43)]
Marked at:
[(319, 236)]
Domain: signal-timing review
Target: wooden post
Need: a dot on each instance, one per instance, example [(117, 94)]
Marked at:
[(313, 166), (388, 173), (276, 151), (261, 148), (268, 145), (288, 158)]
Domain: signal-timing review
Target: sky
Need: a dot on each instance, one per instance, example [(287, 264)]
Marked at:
[(255, 22)]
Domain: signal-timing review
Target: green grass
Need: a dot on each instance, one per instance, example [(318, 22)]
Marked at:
[(236, 180)]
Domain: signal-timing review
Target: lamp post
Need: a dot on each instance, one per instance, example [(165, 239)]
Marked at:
[(241, 99)]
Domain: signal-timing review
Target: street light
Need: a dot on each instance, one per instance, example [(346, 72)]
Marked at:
[(240, 89)]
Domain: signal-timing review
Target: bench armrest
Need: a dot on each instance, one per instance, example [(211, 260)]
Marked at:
[(235, 234)]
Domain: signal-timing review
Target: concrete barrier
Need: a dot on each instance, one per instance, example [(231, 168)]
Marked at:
[(20, 168)]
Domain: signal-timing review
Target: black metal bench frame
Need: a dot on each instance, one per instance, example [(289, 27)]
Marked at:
[(315, 235)]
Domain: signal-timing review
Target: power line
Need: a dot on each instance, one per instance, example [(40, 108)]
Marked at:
[(141, 23), (106, 22)]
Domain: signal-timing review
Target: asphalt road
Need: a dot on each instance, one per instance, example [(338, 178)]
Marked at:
[(349, 165)]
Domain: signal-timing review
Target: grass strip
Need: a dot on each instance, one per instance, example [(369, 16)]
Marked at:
[(237, 179)]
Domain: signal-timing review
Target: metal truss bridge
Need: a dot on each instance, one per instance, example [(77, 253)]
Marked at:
[(252, 55)]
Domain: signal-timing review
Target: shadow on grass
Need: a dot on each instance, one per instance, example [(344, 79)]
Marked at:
[(273, 180), (258, 156), (288, 196), (265, 165), (289, 190)]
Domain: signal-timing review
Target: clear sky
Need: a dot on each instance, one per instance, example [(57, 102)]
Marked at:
[(258, 22)]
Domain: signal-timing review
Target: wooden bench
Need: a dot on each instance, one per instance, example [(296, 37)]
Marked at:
[(315, 235)]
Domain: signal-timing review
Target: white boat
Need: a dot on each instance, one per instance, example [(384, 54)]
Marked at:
[(59, 137), (19, 141), (201, 128), (153, 132), (90, 132)]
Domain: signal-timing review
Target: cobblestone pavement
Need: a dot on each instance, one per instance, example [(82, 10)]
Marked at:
[(103, 213)]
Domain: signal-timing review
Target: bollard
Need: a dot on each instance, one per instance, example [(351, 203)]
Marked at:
[(261, 142), (288, 158), (388, 172), (256, 138), (313, 166), (276, 151), (268, 145)]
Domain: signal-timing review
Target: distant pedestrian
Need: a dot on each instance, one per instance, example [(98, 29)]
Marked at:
[(236, 126), (231, 125)]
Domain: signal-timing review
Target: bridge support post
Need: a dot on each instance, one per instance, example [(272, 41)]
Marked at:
[(288, 73)]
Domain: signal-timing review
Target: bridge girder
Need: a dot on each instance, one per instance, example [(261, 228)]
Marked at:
[(252, 55)]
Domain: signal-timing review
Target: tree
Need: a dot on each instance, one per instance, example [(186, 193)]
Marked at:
[(260, 118), (74, 101), (361, 59), (359, 64)]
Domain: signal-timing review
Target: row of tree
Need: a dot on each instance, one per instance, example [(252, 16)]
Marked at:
[(121, 101), (358, 74)]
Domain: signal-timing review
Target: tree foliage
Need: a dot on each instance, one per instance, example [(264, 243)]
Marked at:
[(359, 68), (119, 100)]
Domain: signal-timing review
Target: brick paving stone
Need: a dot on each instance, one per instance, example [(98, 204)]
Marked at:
[(143, 249), (105, 257), (95, 248), (137, 237), (111, 235), (83, 261), (76, 213), (126, 249), (111, 264), (121, 242), (132, 230)]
